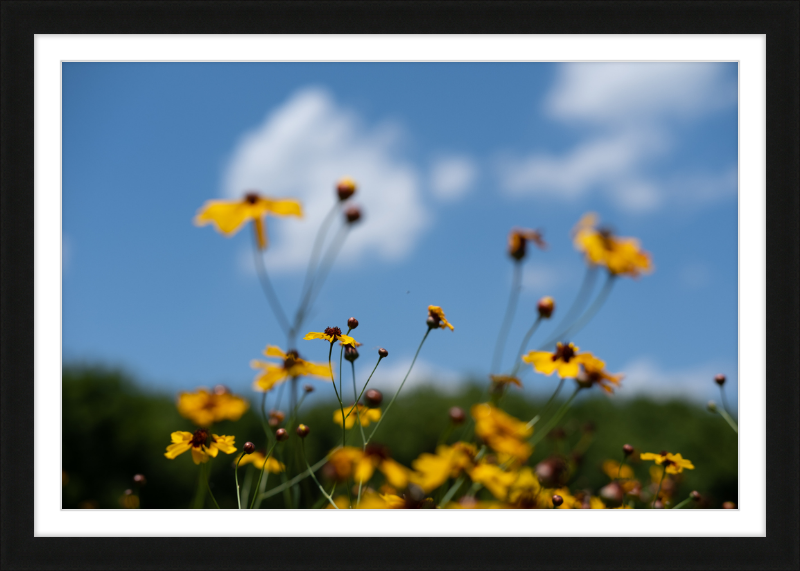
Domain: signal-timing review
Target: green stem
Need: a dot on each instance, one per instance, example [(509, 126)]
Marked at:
[(269, 291), (452, 491), (502, 335), (208, 486), (729, 418), (553, 421), (683, 503), (624, 458), (380, 420), (549, 402), (311, 472), (655, 498), (200, 496), (576, 307), (732, 423), (593, 309), (524, 344), (344, 430), (358, 414), (341, 352), (261, 474), (236, 477), (367, 383)]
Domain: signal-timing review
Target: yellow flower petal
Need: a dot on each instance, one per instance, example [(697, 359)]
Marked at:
[(176, 449), (224, 443), (198, 456), (226, 215), (274, 351), (396, 474), (316, 335), (284, 207)]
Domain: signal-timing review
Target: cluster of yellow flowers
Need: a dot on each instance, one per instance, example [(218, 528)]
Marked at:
[(488, 465)]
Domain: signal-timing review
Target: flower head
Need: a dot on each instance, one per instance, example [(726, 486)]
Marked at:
[(436, 318), (503, 433), (518, 239), (433, 470), (594, 373), (258, 459), (493, 478), (673, 463), (332, 335), (565, 361), (360, 465), (229, 215), (365, 414), (202, 444), (345, 188), (204, 407), (621, 256), (292, 366)]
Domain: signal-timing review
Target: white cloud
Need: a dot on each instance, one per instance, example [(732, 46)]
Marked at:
[(301, 150), (452, 177), (390, 374), (644, 377), (630, 111)]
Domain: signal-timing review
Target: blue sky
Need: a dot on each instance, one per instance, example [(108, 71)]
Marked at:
[(448, 157)]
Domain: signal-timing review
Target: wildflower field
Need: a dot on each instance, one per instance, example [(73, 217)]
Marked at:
[(366, 447)]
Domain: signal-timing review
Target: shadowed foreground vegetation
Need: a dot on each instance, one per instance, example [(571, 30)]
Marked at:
[(112, 430)]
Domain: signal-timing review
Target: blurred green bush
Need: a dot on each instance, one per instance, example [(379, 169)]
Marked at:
[(112, 429)]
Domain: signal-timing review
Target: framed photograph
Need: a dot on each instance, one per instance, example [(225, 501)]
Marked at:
[(382, 279)]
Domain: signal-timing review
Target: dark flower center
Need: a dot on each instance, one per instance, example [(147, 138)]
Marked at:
[(251, 198), (564, 353), (607, 237), (377, 450), (199, 437), (334, 332), (292, 357)]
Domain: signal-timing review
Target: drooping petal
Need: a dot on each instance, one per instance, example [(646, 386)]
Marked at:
[(347, 340), (317, 335), (176, 449), (198, 456), (271, 375), (181, 436), (211, 449), (396, 474), (274, 351), (224, 443), (284, 207), (228, 216)]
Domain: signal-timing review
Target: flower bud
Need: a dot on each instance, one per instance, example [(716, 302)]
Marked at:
[(139, 480), (719, 379), (221, 390), (374, 398), (282, 435), (546, 306), (308, 388), (383, 353), (249, 447), (276, 417), (627, 449), (303, 431), (352, 214), (557, 500), (345, 188), (432, 321), (712, 406), (695, 495), (352, 323), (612, 493), (658, 504), (128, 492), (728, 506), (457, 415), (350, 353)]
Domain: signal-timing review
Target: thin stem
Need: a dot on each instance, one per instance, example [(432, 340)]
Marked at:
[(236, 477), (524, 344), (341, 352), (509, 316), (246, 486), (208, 486), (729, 420), (358, 413), (683, 503), (269, 291), (577, 305), (549, 402), (553, 421), (655, 498), (380, 420), (311, 472), (725, 401), (365, 384), (200, 496), (261, 474), (344, 430), (327, 263), (593, 309), (624, 458), (452, 491)]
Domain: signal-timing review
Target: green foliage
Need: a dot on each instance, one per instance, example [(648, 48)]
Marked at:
[(113, 430)]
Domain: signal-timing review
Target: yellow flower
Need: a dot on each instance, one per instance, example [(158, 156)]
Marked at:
[(293, 366), (331, 335), (433, 470), (611, 469), (371, 501), (621, 256), (437, 315), (594, 373), (503, 433), (493, 478), (201, 443), (524, 492), (505, 380), (204, 407), (367, 416), (673, 463), (229, 215), (565, 361), (518, 239), (257, 459), (352, 462)]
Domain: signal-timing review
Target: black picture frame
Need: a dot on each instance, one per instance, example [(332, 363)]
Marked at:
[(779, 20)]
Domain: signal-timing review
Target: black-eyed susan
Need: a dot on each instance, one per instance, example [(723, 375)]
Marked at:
[(229, 215), (621, 256), (366, 415), (518, 239), (292, 366), (204, 407), (436, 318), (202, 444), (332, 335), (673, 463), (258, 459), (594, 373), (566, 361)]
